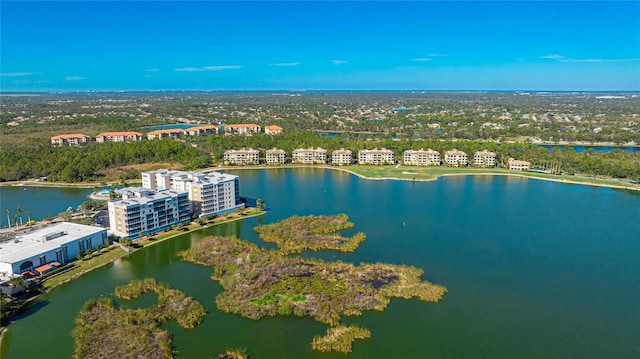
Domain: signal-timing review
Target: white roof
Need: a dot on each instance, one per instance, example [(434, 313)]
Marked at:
[(33, 243)]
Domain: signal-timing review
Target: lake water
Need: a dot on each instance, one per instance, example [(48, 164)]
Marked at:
[(42, 202), (534, 269), (595, 148)]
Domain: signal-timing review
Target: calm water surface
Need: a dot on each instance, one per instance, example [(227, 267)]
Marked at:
[(534, 269), (42, 202)]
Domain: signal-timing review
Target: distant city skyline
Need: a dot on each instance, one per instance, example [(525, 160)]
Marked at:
[(236, 46)]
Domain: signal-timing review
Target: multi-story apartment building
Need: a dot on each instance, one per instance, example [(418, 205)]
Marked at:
[(242, 157), (276, 156), (208, 193), (455, 158), (341, 157), (484, 158), (119, 136), (518, 165), (71, 139), (202, 130), (421, 157), (45, 249), (376, 157), (243, 129), (309, 156), (273, 130), (171, 133), (144, 210)]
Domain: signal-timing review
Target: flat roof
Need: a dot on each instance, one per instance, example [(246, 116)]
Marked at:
[(29, 245), (146, 195)]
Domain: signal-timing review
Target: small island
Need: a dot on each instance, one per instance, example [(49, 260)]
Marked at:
[(104, 331), (259, 282), (296, 234)]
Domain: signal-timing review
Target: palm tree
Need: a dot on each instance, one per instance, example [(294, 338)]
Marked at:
[(6, 211), (29, 216), (19, 213), (15, 220)]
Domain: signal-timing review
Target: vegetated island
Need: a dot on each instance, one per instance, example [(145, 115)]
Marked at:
[(259, 282), (104, 331), (296, 234)]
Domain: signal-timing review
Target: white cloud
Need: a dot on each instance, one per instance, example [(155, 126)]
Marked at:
[(75, 78), (438, 55), (598, 60), (16, 74), (338, 62), (551, 57), (285, 64), (208, 68), (421, 59), (155, 69)]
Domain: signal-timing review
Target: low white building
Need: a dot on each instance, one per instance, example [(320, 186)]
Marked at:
[(376, 157), (242, 157), (518, 165), (276, 156), (484, 158), (309, 156), (455, 158), (341, 157), (421, 157), (45, 249)]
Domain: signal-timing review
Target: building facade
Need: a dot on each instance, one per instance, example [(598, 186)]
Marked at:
[(202, 130), (45, 249), (273, 130), (309, 156), (141, 210), (212, 193), (242, 157), (118, 137), (376, 157), (421, 157), (171, 133), (455, 158), (276, 156), (341, 157), (484, 158), (243, 128), (518, 165), (71, 139)]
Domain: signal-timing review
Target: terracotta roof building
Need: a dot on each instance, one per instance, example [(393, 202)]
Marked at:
[(273, 130), (71, 139), (119, 136)]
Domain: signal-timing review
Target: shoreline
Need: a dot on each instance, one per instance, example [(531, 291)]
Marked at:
[(196, 227)]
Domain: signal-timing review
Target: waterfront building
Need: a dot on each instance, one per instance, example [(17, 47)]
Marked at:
[(421, 157), (119, 136), (242, 129), (202, 130), (273, 130), (376, 157), (45, 249), (144, 210), (70, 139), (242, 157), (309, 156), (518, 165), (341, 157), (455, 158), (484, 158), (171, 133), (211, 193), (276, 156)]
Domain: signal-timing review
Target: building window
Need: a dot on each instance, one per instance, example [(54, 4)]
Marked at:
[(81, 246), (43, 260), (28, 265)]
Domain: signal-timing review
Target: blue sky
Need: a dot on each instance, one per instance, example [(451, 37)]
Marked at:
[(206, 45)]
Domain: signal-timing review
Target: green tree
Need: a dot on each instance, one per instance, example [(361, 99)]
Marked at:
[(7, 212)]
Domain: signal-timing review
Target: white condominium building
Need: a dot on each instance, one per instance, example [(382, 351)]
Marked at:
[(208, 193), (376, 157), (143, 210), (276, 156), (243, 128), (72, 139), (455, 158), (421, 157), (341, 157), (244, 156), (119, 136), (309, 156), (484, 158), (518, 165)]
